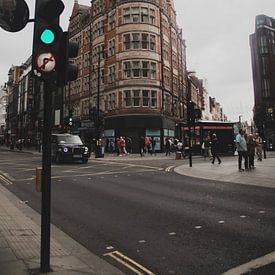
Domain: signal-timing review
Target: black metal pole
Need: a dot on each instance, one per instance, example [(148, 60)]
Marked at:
[(190, 144), (98, 94), (189, 120), (46, 180), (97, 145)]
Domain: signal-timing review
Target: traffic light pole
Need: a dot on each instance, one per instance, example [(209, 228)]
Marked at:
[(189, 118), (46, 180), (97, 145)]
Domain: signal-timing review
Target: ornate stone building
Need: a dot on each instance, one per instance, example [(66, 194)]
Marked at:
[(132, 62)]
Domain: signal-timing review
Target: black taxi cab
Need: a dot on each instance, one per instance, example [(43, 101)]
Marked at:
[(67, 147)]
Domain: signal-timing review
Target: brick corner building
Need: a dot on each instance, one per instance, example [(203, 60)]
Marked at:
[(132, 62)]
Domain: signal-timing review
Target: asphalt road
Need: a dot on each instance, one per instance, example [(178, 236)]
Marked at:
[(150, 218)]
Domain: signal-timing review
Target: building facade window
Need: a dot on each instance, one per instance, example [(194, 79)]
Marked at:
[(266, 88), (98, 29), (263, 45), (139, 69), (98, 7), (127, 98), (153, 99), (139, 41), (87, 59), (112, 101), (165, 27), (166, 73), (136, 98), (174, 39), (98, 53), (112, 44), (168, 103), (139, 14), (174, 60), (265, 65), (112, 74), (86, 83), (165, 51), (95, 78), (112, 21), (140, 98)]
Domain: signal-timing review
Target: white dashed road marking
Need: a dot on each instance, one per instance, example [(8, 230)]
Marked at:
[(254, 264)]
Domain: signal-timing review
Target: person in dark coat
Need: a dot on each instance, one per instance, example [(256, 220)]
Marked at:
[(142, 146), (251, 145), (214, 149)]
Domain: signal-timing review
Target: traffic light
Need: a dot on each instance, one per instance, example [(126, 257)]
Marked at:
[(46, 39), (70, 121), (70, 118), (198, 113), (191, 112), (68, 71)]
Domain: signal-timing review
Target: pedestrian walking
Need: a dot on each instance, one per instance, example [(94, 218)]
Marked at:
[(123, 151), (214, 149), (207, 146), (129, 144), (153, 146), (251, 145), (179, 147), (259, 146), (167, 147), (142, 146), (242, 150), (147, 145)]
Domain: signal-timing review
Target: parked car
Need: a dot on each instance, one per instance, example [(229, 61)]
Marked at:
[(67, 147)]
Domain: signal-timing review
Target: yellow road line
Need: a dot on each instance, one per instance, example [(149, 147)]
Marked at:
[(129, 263)]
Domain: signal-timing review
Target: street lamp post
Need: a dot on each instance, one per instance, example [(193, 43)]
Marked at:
[(189, 114), (98, 145)]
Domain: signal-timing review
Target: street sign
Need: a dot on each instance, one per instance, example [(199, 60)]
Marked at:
[(14, 15), (45, 62)]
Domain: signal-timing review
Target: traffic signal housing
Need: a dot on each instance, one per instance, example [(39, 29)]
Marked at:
[(191, 112), (68, 71), (70, 118), (198, 113), (70, 121), (46, 39)]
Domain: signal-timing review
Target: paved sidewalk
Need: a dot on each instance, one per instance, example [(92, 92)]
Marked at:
[(263, 175), (20, 244)]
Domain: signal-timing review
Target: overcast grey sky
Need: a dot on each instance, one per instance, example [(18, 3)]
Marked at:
[(217, 38)]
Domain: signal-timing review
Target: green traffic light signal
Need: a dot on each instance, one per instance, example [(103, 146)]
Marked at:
[(47, 36)]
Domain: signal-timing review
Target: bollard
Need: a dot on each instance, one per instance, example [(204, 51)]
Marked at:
[(264, 149), (38, 182)]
